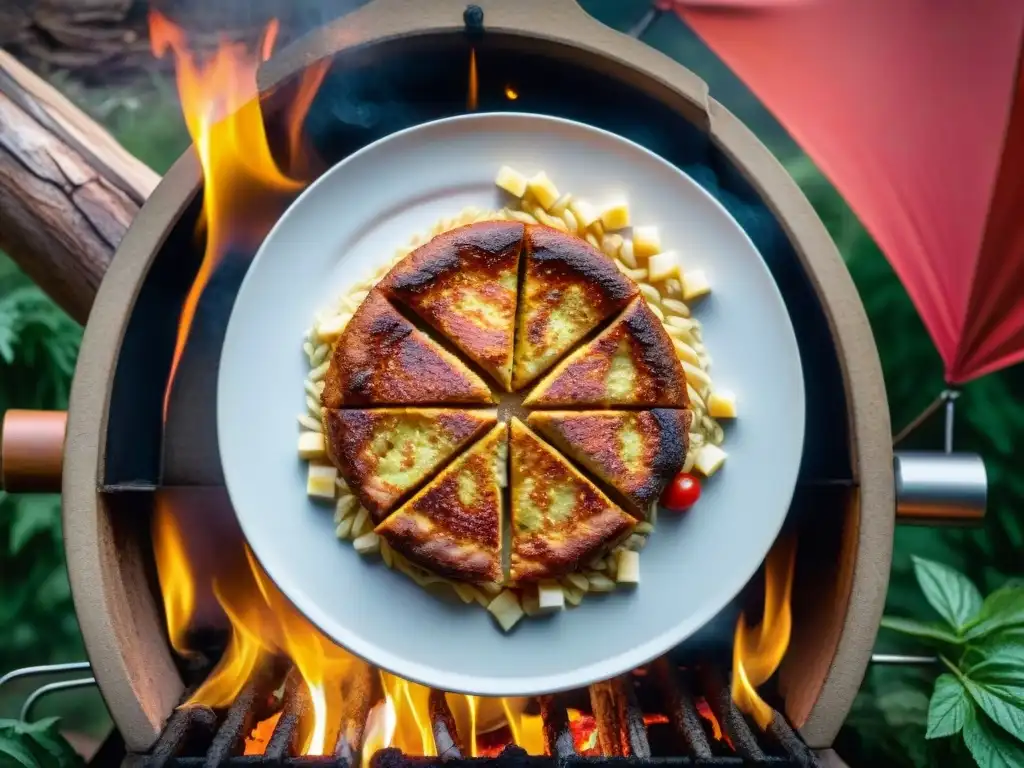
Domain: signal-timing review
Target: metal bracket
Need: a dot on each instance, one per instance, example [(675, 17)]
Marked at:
[(45, 690)]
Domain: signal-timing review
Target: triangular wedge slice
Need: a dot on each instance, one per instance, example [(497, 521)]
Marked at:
[(560, 520), (631, 362), (453, 527), (569, 288), (464, 284), (634, 452), (385, 454), (382, 358)]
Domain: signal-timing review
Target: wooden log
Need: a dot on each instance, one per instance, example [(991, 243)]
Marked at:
[(68, 190)]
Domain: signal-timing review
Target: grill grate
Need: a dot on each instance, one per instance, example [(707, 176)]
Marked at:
[(649, 718)]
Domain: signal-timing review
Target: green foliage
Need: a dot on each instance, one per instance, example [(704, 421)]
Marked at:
[(35, 745), (982, 695), (38, 347), (890, 716)]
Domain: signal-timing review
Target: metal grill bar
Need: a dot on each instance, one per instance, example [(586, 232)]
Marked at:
[(620, 721), (446, 736), (557, 734), (361, 693), (681, 710), (622, 733), (734, 725), (283, 741)]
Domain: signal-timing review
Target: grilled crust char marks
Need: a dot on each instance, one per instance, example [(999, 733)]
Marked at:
[(556, 263), (592, 438), (582, 378), (437, 530), (593, 525), (351, 432), (381, 358), (468, 262)]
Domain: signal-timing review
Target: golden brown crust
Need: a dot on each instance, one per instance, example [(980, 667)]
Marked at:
[(381, 358), (632, 362), (452, 527), (568, 289), (634, 452), (559, 518), (385, 454), (464, 283)]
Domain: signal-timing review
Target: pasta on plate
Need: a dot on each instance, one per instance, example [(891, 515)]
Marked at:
[(668, 292)]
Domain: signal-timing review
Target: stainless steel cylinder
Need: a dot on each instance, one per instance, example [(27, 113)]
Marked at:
[(934, 488)]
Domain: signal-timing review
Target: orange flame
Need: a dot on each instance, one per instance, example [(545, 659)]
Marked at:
[(704, 710), (243, 189), (758, 650), (174, 575), (244, 192), (256, 742), (472, 100), (381, 726)]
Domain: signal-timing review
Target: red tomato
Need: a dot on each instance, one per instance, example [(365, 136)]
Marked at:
[(682, 493)]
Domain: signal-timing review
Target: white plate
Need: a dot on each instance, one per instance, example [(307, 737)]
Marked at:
[(350, 221)]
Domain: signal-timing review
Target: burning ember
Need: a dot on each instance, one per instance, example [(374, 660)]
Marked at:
[(758, 650)]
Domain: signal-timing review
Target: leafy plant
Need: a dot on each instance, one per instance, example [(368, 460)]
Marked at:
[(38, 348), (981, 644), (35, 745)]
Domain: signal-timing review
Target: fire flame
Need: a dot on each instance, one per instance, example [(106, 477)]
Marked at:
[(758, 650), (244, 190), (472, 94), (244, 193), (173, 573)]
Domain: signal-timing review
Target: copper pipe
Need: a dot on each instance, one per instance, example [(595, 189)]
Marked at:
[(32, 451)]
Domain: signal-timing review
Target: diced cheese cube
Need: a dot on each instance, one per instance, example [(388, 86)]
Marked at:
[(628, 567), (320, 481), (662, 266), (550, 596), (330, 329), (312, 446), (530, 603), (367, 544), (709, 459), (543, 189), (584, 212), (695, 284), (722, 405), (646, 241), (615, 215), (506, 610), (511, 180)]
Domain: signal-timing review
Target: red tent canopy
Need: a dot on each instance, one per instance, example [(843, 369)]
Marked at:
[(914, 109)]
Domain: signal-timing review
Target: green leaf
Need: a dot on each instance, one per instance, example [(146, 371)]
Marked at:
[(14, 753), (1002, 610), (1003, 703), (989, 746), (949, 707), (948, 591), (34, 514), (997, 686), (920, 629), (999, 662)]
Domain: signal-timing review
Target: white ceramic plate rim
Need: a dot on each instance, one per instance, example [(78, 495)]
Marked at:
[(235, 450)]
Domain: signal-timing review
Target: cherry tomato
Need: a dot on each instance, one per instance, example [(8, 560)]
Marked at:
[(682, 493)]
